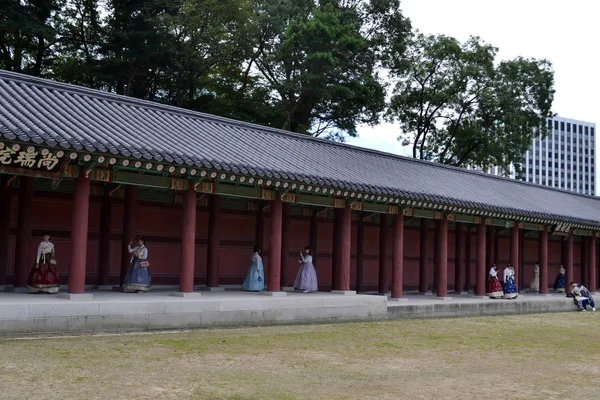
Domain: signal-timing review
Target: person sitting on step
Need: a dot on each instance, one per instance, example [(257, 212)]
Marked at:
[(582, 296)]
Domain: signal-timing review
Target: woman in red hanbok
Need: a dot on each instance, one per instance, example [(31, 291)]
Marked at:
[(43, 277), (494, 287)]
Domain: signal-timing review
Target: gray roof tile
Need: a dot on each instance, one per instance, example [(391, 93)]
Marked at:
[(68, 116)]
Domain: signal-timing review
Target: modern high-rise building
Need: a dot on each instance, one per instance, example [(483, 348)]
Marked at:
[(564, 159)]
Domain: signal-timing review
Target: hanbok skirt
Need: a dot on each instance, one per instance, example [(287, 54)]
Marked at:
[(510, 289), (43, 277), (306, 279), (534, 286), (137, 278), (494, 288), (559, 283), (254, 281)]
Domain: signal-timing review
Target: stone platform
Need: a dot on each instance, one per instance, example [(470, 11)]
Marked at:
[(22, 313), (466, 305), (109, 311)]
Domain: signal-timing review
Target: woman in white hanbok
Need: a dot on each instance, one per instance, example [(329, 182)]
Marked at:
[(534, 286)]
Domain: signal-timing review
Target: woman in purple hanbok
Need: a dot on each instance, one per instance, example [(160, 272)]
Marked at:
[(306, 280)]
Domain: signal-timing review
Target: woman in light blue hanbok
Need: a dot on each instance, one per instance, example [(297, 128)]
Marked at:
[(254, 278), (138, 276)]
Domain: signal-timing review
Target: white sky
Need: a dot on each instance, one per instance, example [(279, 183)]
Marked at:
[(564, 32)]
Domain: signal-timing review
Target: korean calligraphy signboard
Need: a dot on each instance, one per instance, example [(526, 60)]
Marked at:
[(31, 161)]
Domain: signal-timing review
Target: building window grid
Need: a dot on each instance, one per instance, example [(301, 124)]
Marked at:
[(572, 172)]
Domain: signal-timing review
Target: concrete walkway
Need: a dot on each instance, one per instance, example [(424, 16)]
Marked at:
[(22, 313)]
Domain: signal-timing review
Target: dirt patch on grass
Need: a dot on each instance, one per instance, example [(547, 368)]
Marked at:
[(519, 357)]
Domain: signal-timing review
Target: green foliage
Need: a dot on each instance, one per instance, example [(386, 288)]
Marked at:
[(318, 61), (457, 106), (27, 34), (308, 66)]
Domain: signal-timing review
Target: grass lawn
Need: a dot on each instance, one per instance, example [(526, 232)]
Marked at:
[(547, 356)]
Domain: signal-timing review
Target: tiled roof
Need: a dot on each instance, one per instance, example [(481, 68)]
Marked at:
[(71, 117)]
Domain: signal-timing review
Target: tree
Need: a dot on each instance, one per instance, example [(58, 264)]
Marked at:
[(27, 33), (456, 106), (81, 33), (317, 60)]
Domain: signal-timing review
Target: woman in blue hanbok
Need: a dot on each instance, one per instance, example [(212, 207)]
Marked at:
[(254, 278), (306, 280), (559, 282), (138, 275), (510, 287)]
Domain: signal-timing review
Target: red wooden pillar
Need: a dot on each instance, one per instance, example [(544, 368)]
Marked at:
[(569, 275), (79, 234), (129, 219), (360, 254), (105, 229), (490, 246), (260, 225), (468, 262), (424, 256), (335, 250), (188, 240), (459, 263), (592, 265), (23, 257), (345, 246), (214, 238), (314, 235), (4, 222), (442, 261), (521, 277), (383, 253), (285, 244), (544, 261), (436, 253), (274, 273), (514, 252), (398, 256), (480, 273), (584, 260)]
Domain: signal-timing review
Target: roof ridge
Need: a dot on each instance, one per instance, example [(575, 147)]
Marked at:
[(97, 93)]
